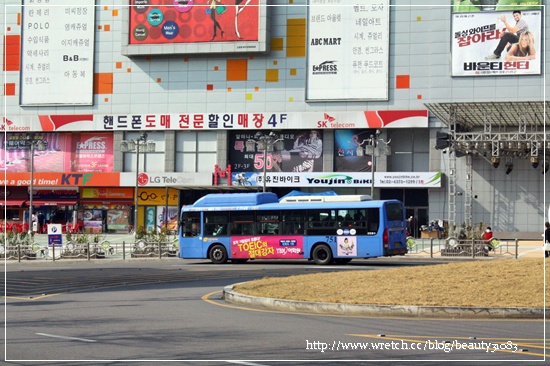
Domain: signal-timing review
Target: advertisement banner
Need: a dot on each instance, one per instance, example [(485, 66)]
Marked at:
[(289, 151), (381, 179), (469, 6), (351, 153), (267, 247), (43, 179), (488, 43), (57, 52), (63, 152), (220, 121), (348, 50), (91, 152), (196, 26)]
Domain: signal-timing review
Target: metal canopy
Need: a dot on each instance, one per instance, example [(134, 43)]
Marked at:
[(503, 114), (493, 131), (496, 128)]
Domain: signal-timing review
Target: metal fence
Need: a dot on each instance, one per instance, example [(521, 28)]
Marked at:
[(88, 251), (466, 248)]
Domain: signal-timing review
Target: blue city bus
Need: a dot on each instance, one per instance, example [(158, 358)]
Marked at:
[(325, 229)]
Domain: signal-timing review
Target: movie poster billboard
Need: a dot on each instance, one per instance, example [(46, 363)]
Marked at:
[(352, 150), (497, 38), (195, 27), (287, 151), (470, 6)]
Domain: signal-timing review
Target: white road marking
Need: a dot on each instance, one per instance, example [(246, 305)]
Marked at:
[(247, 363), (69, 338)]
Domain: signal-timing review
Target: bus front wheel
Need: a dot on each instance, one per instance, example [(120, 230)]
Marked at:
[(322, 254), (218, 254)]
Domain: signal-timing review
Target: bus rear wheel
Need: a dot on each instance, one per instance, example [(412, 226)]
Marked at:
[(218, 254), (322, 254)]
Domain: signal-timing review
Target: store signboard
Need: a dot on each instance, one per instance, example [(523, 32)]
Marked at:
[(329, 179), (414, 118), (57, 52), (348, 50), (165, 179)]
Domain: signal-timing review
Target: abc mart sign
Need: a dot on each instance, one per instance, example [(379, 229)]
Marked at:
[(165, 179)]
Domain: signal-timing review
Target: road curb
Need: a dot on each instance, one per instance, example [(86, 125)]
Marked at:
[(232, 296)]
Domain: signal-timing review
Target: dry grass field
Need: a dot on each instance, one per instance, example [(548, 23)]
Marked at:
[(498, 283)]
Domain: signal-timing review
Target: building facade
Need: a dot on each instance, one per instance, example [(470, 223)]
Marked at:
[(278, 95)]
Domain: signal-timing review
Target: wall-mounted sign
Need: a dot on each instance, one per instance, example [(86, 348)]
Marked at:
[(348, 50), (57, 52)]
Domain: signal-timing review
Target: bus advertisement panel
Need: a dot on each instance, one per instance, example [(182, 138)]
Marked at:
[(268, 247), (324, 229)]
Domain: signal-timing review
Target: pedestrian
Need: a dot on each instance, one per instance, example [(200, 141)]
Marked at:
[(547, 239), (487, 236), (410, 226)]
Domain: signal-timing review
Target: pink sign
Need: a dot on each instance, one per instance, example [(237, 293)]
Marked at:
[(274, 247), (58, 152)]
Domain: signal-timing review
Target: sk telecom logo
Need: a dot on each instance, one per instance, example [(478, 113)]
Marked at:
[(5, 122), (8, 125), (326, 120)]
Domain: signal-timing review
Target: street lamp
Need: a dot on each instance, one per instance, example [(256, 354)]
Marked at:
[(134, 146), (266, 141), (374, 151), (40, 145)]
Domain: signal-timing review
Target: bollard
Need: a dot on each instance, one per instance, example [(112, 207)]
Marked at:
[(19, 252), (53, 252), (431, 247), (517, 248), (88, 250), (123, 250)]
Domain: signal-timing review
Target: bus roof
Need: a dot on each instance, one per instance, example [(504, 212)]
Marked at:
[(236, 199), (269, 201)]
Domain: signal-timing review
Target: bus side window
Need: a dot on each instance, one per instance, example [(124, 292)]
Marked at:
[(373, 221), (210, 229), (221, 230), (192, 228), (288, 229)]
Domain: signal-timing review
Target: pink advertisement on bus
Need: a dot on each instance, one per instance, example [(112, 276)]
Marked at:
[(281, 247)]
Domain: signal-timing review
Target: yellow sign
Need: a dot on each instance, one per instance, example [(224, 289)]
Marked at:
[(158, 196)]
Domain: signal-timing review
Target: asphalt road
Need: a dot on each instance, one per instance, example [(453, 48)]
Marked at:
[(112, 312)]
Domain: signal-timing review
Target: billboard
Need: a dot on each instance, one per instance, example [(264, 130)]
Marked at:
[(195, 27), (57, 52), (219, 121), (492, 38), (64, 152), (348, 50), (289, 151), (351, 150)]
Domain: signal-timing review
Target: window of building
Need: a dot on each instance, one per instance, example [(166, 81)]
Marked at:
[(196, 152), (148, 161)]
